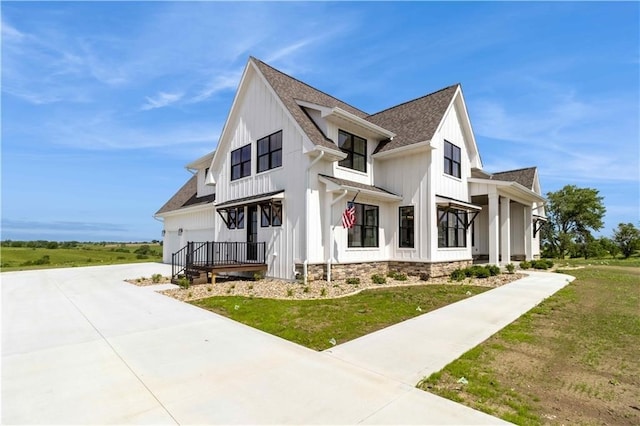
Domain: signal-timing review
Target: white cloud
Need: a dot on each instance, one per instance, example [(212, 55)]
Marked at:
[(161, 100), (221, 82)]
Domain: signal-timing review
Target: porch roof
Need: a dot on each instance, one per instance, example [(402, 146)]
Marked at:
[(334, 183), (254, 199), (508, 187), (459, 204)]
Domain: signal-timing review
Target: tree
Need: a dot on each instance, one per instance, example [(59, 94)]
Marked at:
[(572, 214), (627, 237), (609, 246)]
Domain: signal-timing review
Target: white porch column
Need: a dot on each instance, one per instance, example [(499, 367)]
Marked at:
[(528, 233), (505, 229), (494, 230)]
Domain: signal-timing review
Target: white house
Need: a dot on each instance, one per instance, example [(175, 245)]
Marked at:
[(291, 157)]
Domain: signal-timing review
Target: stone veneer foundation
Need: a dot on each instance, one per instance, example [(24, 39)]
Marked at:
[(340, 271)]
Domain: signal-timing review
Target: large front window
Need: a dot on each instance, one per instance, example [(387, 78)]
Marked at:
[(356, 149), (364, 232), (270, 152), (406, 227), (241, 162), (452, 228), (452, 164)]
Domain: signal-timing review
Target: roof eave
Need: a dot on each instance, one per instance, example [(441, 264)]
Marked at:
[(339, 113), (419, 146), (517, 188)]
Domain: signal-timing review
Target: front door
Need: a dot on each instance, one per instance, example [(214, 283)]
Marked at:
[(252, 233)]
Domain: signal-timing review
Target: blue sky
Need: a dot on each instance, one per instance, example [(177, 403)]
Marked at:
[(104, 103)]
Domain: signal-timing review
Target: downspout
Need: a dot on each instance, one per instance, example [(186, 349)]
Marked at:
[(331, 228), (306, 219)]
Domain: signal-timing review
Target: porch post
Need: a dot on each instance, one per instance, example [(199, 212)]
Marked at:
[(528, 233), (494, 230), (505, 230)]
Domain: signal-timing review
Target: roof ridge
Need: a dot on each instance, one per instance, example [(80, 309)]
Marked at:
[(515, 170), (308, 85), (413, 100)]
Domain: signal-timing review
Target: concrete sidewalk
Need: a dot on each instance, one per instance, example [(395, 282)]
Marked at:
[(80, 346), (415, 348)]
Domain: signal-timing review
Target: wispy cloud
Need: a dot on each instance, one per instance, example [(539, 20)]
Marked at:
[(161, 100), (220, 83)]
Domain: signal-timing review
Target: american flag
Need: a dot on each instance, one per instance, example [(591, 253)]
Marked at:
[(349, 216)]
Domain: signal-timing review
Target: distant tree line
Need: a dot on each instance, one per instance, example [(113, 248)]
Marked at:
[(64, 244), (573, 213)]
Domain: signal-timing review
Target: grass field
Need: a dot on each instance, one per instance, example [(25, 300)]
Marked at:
[(318, 323), (24, 258), (571, 360)]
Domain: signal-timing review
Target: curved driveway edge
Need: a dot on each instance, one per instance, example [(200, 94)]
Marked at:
[(80, 346), (413, 349)]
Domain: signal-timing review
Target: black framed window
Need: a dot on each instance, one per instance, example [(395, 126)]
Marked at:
[(364, 232), (452, 228), (452, 162), (356, 149), (406, 226), (270, 152), (241, 162), (271, 214), (235, 218)]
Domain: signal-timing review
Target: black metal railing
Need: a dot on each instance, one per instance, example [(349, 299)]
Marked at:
[(216, 254)]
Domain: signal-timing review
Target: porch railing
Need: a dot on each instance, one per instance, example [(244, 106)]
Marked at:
[(216, 254)]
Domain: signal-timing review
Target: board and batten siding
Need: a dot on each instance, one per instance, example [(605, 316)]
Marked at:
[(258, 113), (447, 185)]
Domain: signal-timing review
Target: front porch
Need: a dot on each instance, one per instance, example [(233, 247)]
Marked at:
[(199, 260)]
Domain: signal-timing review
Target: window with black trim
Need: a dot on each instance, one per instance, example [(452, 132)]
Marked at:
[(271, 214), (270, 152), (235, 218), (452, 162), (452, 228), (364, 232), (241, 162), (356, 149), (406, 227)]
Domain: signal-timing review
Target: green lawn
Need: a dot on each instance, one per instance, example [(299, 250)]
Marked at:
[(24, 258), (571, 360), (314, 323)]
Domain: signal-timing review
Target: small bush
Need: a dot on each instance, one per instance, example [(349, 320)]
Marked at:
[(353, 281), (257, 276), (400, 277), (306, 289), (184, 283), (510, 268), (391, 274), (483, 273), (323, 292), (378, 279), (289, 292), (44, 260), (525, 264), (542, 264), (424, 276), (494, 270), (458, 275), (155, 278)]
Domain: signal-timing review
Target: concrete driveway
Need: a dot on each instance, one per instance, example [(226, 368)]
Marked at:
[(80, 346)]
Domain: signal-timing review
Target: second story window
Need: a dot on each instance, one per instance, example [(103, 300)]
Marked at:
[(356, 149), (452, 164), (270, 152), (241, 162)]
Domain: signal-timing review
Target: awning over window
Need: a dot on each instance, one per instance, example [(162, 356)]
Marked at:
[(335, 184), (254, 199), (456, 204)]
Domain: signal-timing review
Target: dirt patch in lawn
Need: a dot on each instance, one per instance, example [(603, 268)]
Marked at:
[(571, 360)]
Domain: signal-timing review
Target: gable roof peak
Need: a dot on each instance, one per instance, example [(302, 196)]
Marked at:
[(455, 85)]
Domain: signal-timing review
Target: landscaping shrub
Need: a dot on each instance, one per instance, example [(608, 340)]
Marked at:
[(155, 278), (494, 270), (184, 282), (510, 268), (424, 276), (542, 264), (353, 281), (525, 264), (458, 275), (378, 279), (400, 277), (483, 272)]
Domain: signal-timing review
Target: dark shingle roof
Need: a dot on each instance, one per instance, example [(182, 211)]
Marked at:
[(289, 90), (414, 121), (186, 197), (524, 177), (357, 185)]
